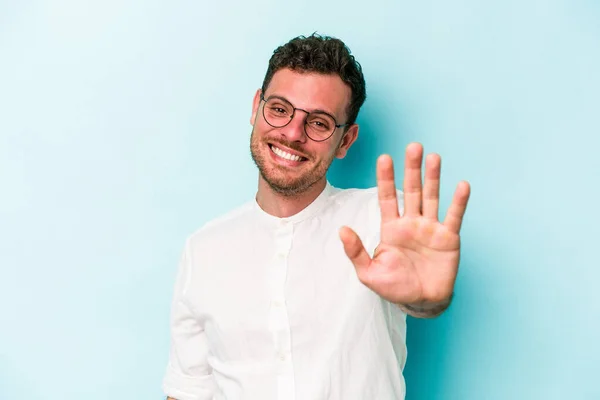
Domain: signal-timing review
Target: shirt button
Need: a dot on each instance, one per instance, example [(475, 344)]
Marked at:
[(277, 303)]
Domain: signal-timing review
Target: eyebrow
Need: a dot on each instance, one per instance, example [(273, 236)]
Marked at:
[(316, 110)]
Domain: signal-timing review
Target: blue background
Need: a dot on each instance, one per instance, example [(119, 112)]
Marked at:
[(124, 126)]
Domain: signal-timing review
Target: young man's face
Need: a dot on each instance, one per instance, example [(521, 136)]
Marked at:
[(287, 174)]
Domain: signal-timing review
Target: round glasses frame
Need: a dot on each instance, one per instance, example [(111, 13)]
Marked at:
[(308, 113)]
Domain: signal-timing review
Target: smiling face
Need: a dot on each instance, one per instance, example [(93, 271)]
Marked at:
[(288, 161)]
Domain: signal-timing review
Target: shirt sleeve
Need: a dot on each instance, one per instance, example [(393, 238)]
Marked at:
[(396, 319), (188, 375)]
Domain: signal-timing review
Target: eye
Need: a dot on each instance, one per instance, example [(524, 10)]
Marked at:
[(319, 124), (278, 109)]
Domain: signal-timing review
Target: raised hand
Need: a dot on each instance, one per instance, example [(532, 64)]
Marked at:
[(416, 261)]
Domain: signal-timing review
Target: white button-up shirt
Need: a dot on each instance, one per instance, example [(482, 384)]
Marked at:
[(269, 308)]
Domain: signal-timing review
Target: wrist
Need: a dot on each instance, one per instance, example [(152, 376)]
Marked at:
[(426, 309)]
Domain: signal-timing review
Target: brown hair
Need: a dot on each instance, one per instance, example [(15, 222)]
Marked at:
[(325, 55)]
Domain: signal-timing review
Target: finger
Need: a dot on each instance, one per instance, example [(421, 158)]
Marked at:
[(354, 249), (412, 179), (431, 188), (456, 211), (386, 189)]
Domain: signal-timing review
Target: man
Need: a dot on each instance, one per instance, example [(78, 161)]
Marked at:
[(267, 304)]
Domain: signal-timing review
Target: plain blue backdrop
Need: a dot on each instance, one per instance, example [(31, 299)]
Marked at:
[(124, 126)]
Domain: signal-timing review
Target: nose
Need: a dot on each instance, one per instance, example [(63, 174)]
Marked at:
[(294, 131)]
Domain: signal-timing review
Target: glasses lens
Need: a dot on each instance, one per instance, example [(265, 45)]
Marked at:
[(319, 126), (278, 112)]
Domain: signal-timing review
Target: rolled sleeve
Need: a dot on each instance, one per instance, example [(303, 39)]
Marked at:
[(188, 375)]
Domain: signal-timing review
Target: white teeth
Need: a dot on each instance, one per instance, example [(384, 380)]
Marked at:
[(284, 154)]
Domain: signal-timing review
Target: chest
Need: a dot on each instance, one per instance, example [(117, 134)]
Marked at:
[(294, 288)]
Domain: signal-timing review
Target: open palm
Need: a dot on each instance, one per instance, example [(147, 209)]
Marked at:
[(418, 256)]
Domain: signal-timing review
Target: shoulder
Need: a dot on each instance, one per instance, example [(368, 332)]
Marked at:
[(361, 199), (222, 225), (359, 209)]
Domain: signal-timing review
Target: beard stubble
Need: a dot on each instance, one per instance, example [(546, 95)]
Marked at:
[(276, 177)]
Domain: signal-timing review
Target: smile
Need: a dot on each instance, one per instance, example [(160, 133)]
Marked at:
[(285, 155)]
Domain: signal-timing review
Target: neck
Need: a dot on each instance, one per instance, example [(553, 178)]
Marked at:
[(282, 206)]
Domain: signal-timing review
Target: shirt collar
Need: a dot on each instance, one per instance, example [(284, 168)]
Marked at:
[(310, 210)]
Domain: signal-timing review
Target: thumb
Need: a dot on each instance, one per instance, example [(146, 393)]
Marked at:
[(355, 250)]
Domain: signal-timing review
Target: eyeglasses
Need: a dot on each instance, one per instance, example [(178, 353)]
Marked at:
[(318, 125)]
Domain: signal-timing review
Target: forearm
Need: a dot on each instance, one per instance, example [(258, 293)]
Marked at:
[(426, 309)]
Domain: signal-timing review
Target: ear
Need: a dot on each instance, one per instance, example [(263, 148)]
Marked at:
[(347, 140), (255, 105)]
